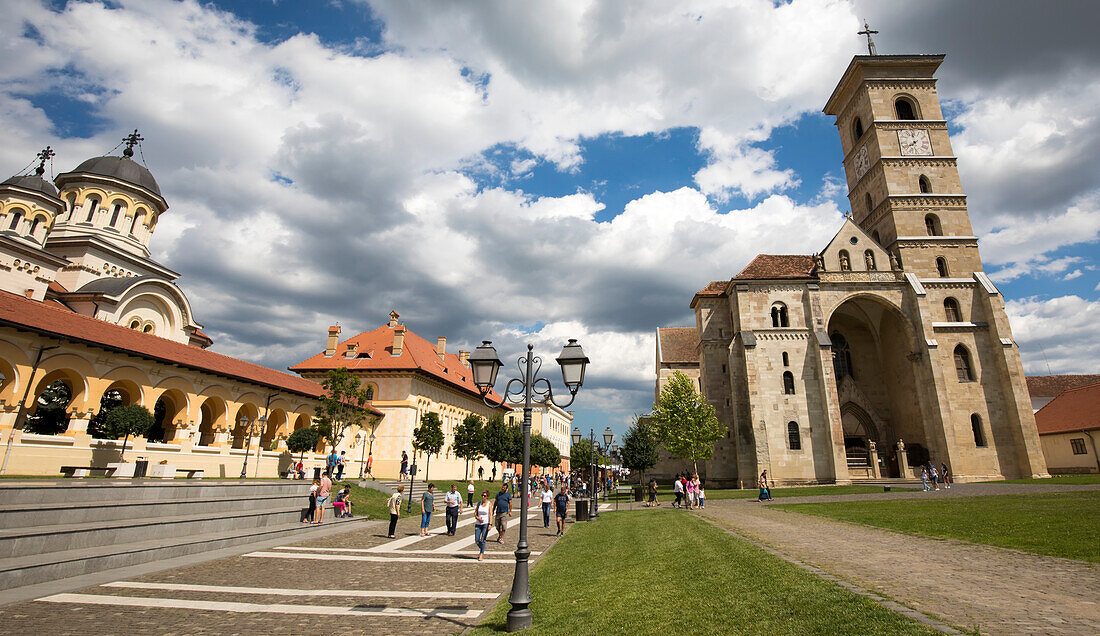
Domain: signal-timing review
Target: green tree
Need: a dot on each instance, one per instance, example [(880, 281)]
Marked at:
[(684, 423), (497, 440), (133, 419), (428, 438), (515, 444), (302, 440), (544, 453), (49, 417), (639, 451), (342, 405), (580, 454), (110, 401), (468, 440)]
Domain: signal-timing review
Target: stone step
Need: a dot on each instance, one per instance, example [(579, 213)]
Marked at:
[(38, 568), (25, 515), (107, 490), (71, 536)]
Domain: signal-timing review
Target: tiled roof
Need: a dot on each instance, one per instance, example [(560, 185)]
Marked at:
[(679, 344), (1076, 409), (714, 288), (48, 319), (375, 353), (1051, 385), (781, 266)]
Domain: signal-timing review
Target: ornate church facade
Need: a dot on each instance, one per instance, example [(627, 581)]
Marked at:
[(889, 348)]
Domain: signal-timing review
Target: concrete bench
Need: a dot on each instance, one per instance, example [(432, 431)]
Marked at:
[(191, 473), (82, 471)]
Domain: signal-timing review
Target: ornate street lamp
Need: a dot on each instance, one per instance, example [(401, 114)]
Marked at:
[(485, 365), (259, 445), (245, 422)]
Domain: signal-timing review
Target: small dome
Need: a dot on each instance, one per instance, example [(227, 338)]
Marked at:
[(122, 168), (33, 182)]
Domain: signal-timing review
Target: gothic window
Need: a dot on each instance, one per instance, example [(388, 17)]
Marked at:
[(793, 439), (16, 217), (869, 259), (904, 108), (786, 360), (941, 267), (842, 357), (976, 426), (91, 209), (845, 261), (788, 383), (857, 130), (962, 364), (932, 225), (779, 315), (925, 185), (951, 310), (868, 202)]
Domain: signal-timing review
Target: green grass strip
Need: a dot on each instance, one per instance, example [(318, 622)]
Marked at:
[(1075, 480), (1065, 524), (664, 572)]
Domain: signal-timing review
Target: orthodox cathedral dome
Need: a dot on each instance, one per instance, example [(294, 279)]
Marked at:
[(33, 182), (122, 168)]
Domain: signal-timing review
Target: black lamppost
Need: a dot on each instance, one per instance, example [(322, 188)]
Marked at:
[(485, 364), (362, 458), (245, 422), (608, 438)]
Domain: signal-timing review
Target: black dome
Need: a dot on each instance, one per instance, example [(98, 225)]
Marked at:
[(33, 182), (122, 168)]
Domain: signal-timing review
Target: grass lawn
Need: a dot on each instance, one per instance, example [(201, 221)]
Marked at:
[(1065, 524), (664, 493), (1076, 480), (662, 572)]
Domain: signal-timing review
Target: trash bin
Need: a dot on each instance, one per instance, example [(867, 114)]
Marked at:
[(638, 495), (582, 510), (141, 467)]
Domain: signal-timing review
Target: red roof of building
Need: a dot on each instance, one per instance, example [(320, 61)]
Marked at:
[(1076, 409), (1051, 385), (47, 319), (679, 344), (374, 352), (778, 266), (714, 288)]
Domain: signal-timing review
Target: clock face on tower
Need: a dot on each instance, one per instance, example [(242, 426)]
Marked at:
[(861, 163), (914, 142)]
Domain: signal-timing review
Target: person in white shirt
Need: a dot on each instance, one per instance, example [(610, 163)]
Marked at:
[(547, 499), (481, 522), (470, 494), (454, 507)]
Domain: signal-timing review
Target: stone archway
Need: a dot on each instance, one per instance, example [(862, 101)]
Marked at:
[(877, 387)]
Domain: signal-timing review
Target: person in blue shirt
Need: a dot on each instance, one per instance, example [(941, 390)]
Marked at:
[(561, 502), (330, 463), (502, 510)]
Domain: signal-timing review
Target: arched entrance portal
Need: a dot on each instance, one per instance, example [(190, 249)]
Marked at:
[(876, 384)]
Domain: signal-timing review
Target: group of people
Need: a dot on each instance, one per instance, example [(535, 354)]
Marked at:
[(931, 477), (319, 494), (487, 513)]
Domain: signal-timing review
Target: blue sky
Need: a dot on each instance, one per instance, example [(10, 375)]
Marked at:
[(571, 169)]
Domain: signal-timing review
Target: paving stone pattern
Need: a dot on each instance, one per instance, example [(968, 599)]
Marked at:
[(442, 612), (968, 585)]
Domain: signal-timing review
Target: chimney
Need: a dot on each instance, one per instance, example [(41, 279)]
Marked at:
[(333, 338), (353, 350), (464, 357), (393, 318), (398, 339), (441, 347)]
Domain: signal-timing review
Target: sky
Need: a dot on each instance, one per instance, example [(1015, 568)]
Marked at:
[(533, 172)]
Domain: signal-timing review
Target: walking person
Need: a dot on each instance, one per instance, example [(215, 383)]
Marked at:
[(924, 477), (561, 503), (765, 491), (546, 497), (322, 496), (453, 500), (678, 490), (394, 504), (945, 475), (481, 473), (653, 502), (701, 496), (481, 523), (404, 466), (689, 490), (427, 507), (331, 461), (341, 461), (935, 476), (370, 464), (470, 494), (312, 511), (502, 510)]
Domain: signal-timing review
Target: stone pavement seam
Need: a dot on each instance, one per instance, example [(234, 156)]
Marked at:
[(879, 599)]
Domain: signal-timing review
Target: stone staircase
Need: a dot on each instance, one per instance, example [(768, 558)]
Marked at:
[(55, 530)]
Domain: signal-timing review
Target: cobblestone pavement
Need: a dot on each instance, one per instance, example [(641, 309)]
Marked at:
[(971, 586), (354, 582)]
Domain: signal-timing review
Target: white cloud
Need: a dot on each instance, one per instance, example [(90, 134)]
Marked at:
[(1074, 274), (1062, 332)]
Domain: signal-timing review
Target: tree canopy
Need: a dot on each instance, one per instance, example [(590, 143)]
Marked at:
[(684, 423), (428, 438), (496, 440), (639, 451), (49, 417), (124, 421), (544, 453), (342, 405), (468, 438), (303, 440)]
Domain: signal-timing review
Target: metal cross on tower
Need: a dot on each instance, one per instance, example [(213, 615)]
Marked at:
[(43, 157), (131, 140), (870, 43)]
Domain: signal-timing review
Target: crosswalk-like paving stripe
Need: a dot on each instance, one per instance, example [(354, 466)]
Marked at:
[(273, 591), (258, 608)]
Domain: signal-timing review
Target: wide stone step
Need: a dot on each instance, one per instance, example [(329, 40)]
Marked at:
[(25, 515), (109, 490), (59, 538), (38, 568)]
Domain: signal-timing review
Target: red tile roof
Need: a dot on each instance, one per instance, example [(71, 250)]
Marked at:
[(679, 344), (778, 266), (1076, 409), (44, 318), (714, 288), (375, 353), (1051, 385)]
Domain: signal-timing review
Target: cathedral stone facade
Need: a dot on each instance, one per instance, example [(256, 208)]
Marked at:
[(890, 347)]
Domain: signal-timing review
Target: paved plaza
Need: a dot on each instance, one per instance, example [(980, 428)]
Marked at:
[(969, 585), (353, 582)]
